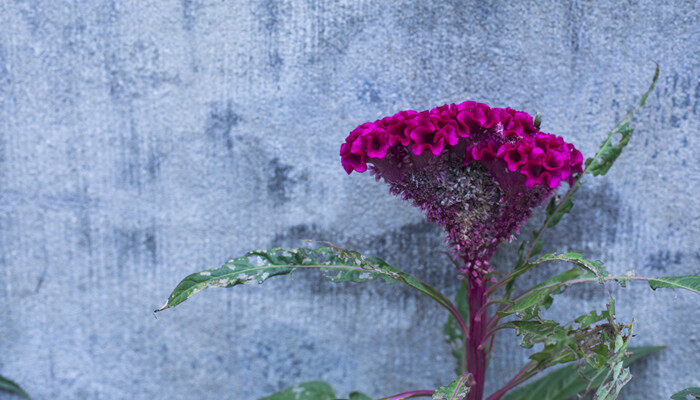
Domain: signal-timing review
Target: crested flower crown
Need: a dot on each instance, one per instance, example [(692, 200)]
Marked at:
[(477, 171)]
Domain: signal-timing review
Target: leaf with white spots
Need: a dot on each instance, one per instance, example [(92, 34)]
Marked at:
[(337, 265), (305, 391), (456, 390)]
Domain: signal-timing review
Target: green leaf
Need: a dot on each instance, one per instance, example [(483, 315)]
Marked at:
[(527, 305), (337, 264), (599, 164), (572, 379), (556, 211), (690, 393), (564, 343), (688, 282), (306, 391), (592, 318), (456, 390), (358, 396), (611, 390), (619, 373), (454, 335), (9, 386), (609, 151), (533, 332), (595, 267)]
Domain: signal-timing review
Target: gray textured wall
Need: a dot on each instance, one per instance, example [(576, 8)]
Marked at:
[(141, 141)]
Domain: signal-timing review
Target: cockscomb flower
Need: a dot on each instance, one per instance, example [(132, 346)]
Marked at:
[(475, 170)]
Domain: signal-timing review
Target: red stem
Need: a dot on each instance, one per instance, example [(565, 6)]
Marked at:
[(522, 375), (407, 395), (478, 318)]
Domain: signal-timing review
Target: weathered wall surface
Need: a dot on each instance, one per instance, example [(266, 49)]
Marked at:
[(141, 141)]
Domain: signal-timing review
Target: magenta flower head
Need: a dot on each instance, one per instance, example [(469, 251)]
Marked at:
[(476, 171)]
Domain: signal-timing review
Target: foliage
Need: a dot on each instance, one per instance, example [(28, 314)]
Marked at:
[(572, 379), (594, 345), (597, 165), (338, 265), (687, 394), (11, 387), (456, 390), (358, 396), (305, 391)]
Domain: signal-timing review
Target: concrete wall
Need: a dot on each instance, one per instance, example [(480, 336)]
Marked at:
[(141, 141)]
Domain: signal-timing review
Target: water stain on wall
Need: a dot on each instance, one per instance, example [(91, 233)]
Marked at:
[(5, 79), (592, 223), (269, 16), (369, 93), (666, 260), (220, 123), (189, 13), (135, 248), (279, 181)]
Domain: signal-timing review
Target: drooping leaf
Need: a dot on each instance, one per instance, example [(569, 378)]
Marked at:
[(337, 264), (594, 267), (358, 396), (688, 282), (690, 393), (454, 335), (456, 390), (571, 380), (315, 390), (527, 306), (11, 387), (610, 150)]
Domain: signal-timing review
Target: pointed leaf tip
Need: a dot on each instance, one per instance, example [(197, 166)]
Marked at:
[(338, 265), (11, 387), (687, 282), (690, 393)]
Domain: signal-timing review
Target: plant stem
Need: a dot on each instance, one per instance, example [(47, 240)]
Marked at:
[(465, 333), (522, 375), (478, 318), (408, 395)]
